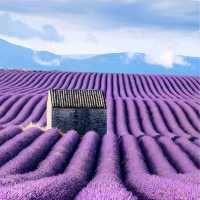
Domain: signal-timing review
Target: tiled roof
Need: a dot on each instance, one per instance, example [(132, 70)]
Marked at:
[(77, 98)]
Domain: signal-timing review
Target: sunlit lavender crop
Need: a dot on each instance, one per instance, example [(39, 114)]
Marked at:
[(151, 150)]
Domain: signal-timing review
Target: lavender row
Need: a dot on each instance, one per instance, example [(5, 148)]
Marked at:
[(13, 146), (191, 149), (64, 186), (147, 186), (28, 159), (152, 118), (136, 117), (179, 159), (55, 162), (107, 183), (147, 165), (114, 85), (159, 156), (22, 110), (155, 158), (8, 133)]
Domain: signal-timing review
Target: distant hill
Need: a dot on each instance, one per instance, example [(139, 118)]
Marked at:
[(17, 57)]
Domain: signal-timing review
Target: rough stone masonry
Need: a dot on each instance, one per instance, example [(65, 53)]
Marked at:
[(81, 110)]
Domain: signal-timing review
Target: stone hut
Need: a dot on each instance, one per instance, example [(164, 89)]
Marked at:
[(82, 110)]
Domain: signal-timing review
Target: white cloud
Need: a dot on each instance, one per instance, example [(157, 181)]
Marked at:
[(119, 1), (14, 27), (81, 39), (178, 8), (53, 62), (129, 56), (166, 59), (16, 68), (79, 57), (117, 40)]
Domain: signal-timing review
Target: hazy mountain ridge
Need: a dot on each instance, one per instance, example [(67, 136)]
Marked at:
[(18, 57)]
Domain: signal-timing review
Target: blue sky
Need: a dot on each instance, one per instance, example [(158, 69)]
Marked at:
[(163, 30)]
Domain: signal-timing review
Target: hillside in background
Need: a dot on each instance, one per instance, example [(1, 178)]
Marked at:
[(17, 57)]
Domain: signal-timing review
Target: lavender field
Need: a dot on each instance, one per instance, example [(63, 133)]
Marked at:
[(151, 150)]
